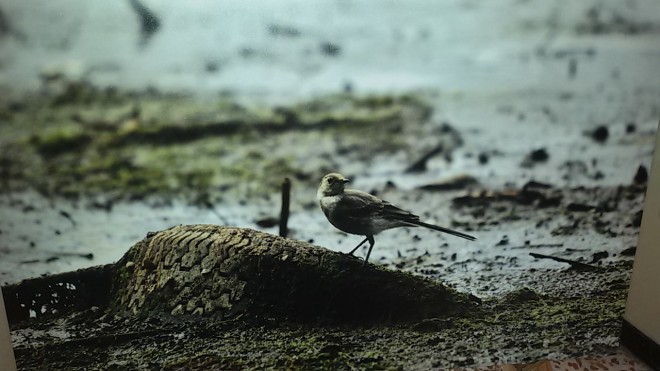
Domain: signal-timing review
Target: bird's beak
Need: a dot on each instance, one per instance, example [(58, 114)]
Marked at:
[(345, 180)]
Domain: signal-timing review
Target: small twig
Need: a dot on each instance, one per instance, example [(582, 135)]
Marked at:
[(420, 165), (68, 217), (89, 256), (573, 263), (284, 213), (55, 255), (538, 245), (149, 22), (210, 206)]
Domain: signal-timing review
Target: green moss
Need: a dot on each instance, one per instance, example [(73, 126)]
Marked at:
[(59, 141), (140, 145), (205, 361)]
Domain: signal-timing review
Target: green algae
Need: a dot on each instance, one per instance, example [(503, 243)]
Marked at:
[(83, 140), (62, 140)]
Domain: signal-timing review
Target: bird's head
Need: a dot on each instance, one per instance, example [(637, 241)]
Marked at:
[(332, 184)]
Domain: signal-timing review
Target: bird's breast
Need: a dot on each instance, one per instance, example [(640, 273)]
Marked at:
[(328, 203)]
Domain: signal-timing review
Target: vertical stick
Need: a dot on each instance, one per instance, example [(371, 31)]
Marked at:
[(284, 212)]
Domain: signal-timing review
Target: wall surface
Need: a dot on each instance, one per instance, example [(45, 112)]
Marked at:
[(643, 307), (7, 361)]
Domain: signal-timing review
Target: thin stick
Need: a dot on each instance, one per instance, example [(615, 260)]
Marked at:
[(538, 245), (284, 213), (573, 263), (420, 165)]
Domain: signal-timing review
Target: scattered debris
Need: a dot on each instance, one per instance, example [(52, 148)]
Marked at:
[(601, 20), (631, 251), (534, 157), (457, 182), (209, 205), (420, 165), (68, 217), (574, 264), (5, 26), (330, 49), (579, 207), (598, 256), (631, 128), (637, 219), (525, 196), (642, 176), (528, 245), (599, 134), (504, 241), (538, 185), (54, 256), (565, 230), (483, 158), (267, 222), (149, 22), (284, 31), (572, 68), (212, 66)]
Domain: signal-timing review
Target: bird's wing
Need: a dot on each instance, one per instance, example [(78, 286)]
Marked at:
[(392, 212), (358, 204)]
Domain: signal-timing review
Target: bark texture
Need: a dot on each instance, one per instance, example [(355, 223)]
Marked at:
[(226, 272)]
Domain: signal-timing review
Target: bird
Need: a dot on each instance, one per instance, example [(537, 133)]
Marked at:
[(360, 213)]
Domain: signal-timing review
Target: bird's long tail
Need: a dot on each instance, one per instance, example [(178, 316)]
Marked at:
[(443, 229)]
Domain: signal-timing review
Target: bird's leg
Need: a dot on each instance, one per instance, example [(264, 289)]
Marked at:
[(372, 242), (356, 247)]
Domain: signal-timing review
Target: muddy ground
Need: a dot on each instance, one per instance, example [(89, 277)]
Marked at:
[(532, 133), (225, 162)]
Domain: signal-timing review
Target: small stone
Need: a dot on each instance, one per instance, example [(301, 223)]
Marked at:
[(642, 175), (598, 256), (539, 155), (629, 251), (636, 219), (600, 134), (631, 128), (267, 222), (534, 157), (504, 241), (483, 158), (330, 49)]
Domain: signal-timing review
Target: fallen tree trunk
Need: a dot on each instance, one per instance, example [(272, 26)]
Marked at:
[(224, 272)]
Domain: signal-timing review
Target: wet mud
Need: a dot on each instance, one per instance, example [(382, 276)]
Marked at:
[(547, 276)]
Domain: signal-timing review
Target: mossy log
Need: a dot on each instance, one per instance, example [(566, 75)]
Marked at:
[(224, 272)]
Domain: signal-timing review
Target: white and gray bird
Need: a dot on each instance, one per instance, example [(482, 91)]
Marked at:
[(360, 213)]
